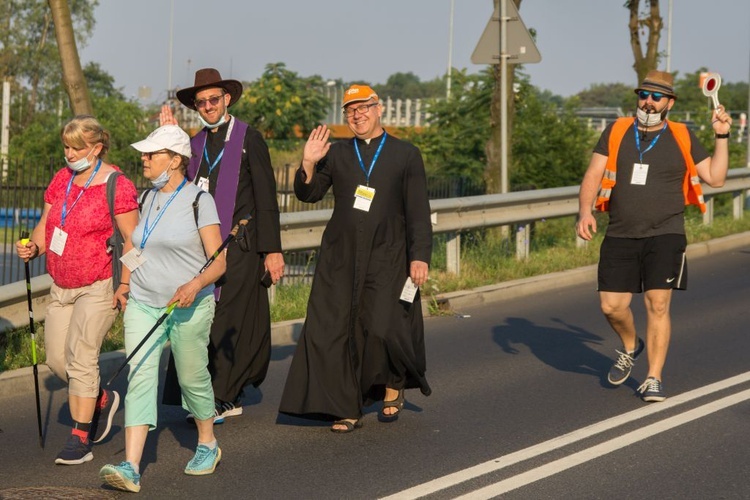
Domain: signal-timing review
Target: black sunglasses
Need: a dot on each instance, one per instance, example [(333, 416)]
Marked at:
[(655, 96)]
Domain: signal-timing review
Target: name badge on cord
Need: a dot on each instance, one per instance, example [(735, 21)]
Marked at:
[(640, 172), (133, 259), (203, 184), (363, 197), (59, 238)]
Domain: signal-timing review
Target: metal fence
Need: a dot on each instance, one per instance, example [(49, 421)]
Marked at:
[(22, 200)]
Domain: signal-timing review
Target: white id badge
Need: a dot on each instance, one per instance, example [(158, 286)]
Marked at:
[(133, 259), (363, 197), (640, 172), (409, 291), (203, 184), (59, 238)]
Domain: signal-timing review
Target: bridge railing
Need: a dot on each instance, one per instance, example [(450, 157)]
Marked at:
[(304, 230)]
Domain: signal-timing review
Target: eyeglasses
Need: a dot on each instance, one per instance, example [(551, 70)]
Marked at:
[(655, 96), (214, 101), (148, 156), (363, 109)]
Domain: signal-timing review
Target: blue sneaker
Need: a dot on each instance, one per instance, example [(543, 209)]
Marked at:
[(122, 477), (204, 462), (652, 391), (75, 452), (620, 371)]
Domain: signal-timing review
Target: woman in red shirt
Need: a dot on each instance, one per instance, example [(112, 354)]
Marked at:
[(73, 233)]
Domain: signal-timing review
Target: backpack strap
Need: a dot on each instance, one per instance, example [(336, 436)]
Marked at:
[(111, 190), (142, 200), (195, 206)]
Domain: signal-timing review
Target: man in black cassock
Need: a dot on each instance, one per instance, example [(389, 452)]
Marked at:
[(230, 160), (363, 338)]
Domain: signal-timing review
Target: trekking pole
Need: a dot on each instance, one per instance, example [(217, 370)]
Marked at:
[(25, 241), (169, 310)]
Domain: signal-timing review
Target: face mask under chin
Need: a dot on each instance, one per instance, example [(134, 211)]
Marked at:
[(650, 119), (212, 126)]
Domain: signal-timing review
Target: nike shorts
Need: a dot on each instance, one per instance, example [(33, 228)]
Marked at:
[(637, 264)]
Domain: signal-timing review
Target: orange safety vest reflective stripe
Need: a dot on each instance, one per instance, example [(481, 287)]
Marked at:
[(691, 186)]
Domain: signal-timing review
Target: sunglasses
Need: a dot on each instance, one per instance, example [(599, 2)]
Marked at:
[(150, 155), (655, 96), (214, 101)]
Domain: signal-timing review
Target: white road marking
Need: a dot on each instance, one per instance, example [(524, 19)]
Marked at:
[(599, 450), (502, 462)]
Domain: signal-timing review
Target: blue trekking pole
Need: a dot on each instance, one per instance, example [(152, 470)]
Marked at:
[(24, 241)]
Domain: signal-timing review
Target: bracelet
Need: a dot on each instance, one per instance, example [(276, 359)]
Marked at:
[(125, 283), (723, 136)]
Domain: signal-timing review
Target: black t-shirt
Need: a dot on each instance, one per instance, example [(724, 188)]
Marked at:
[(656, 207)]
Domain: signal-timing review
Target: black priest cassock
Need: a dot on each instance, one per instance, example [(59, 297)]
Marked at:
[(358, 336)]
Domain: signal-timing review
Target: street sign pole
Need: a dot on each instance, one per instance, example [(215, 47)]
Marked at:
[(503, 95), (505, 31)]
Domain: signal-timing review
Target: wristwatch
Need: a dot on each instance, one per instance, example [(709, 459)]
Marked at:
[(722, 136)]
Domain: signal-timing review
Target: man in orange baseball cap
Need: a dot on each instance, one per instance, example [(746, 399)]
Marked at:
[(363, 339)]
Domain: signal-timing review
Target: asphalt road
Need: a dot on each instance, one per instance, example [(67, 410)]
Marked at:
[(520, 409)]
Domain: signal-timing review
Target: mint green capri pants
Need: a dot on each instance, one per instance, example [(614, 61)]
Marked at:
[(188, 330)]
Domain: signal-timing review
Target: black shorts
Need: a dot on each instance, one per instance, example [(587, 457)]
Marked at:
[(638, 264)]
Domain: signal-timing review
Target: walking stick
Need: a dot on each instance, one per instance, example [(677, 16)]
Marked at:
[(169, 310), (25, 241)]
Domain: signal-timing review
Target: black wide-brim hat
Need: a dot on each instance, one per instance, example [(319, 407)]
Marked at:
[(206, 78)]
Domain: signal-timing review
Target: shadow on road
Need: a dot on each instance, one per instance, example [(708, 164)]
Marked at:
[(567, 348)]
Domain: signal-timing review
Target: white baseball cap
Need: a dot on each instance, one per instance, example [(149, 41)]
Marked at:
[(169, 137)]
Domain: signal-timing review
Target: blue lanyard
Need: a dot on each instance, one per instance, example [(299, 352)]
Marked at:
[(65, 210), (148, 230), (212, 166), (374, 158), (638, 141)]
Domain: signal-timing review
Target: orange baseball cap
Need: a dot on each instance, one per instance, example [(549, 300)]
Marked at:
[(358, 93)]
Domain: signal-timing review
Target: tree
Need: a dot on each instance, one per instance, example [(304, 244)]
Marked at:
[(649, 24), (551, 147), (608, 95), (283, 105), (454, 143), (409, 86), (29, 53), (75, 83)]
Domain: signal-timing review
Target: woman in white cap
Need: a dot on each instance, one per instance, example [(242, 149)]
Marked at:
[(170, 245)]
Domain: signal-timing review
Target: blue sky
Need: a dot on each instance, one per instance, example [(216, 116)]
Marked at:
[(581, 41)]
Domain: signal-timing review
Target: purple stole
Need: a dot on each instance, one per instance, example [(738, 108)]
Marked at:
[(229, 171)]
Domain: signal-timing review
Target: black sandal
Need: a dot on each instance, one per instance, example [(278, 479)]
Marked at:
[(397, 403), (350, 426)]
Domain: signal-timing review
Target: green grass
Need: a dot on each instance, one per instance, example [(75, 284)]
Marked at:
[(486, 258)]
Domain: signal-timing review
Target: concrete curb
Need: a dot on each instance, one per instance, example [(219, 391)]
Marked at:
[(285, 333)]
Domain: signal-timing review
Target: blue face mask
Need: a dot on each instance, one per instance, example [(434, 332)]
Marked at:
[(80, 165), (212, 126), (162, 180)]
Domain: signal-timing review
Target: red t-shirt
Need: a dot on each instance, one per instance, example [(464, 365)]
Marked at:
[(84, 259)]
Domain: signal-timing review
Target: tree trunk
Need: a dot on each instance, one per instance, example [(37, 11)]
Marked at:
[(75, 83), (644, 62), (493, 169)]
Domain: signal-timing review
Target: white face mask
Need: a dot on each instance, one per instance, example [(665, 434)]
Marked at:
[(212, 126), (80, 165), (650, 119)]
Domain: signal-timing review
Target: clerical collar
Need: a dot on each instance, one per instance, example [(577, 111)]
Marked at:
[(368, 141)]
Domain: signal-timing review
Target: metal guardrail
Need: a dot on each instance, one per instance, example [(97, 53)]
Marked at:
[(304, 230)]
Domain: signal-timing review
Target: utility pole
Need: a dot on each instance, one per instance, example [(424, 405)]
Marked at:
[(4, 133), (450, 52)]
